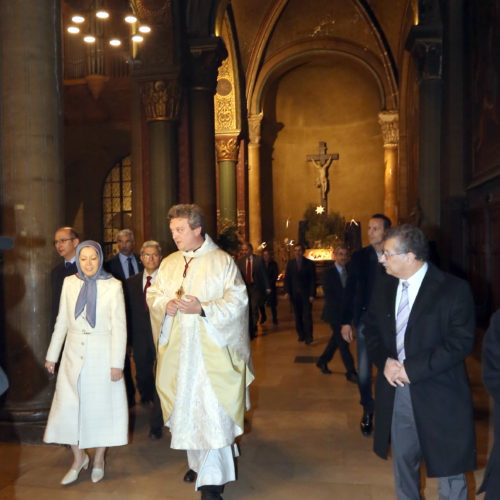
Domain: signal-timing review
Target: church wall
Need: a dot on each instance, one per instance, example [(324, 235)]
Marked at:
[(334, 101), (96, 136)]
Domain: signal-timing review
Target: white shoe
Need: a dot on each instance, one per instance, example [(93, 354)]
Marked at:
[(72, 475), (97, 473)]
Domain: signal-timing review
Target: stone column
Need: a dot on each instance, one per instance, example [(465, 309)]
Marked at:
[(389, 123), (254, 210), (161, 100), (425, 45), (206, 56), (227, 147), (32, 203), (156, 71)]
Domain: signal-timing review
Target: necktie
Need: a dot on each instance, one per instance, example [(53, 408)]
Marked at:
[(249, 271), (131, 270), (402, 321), (67, 265), (343, 277), (146, 286)]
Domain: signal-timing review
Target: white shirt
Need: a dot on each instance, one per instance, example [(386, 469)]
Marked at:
[(414, 283), (145, 277)]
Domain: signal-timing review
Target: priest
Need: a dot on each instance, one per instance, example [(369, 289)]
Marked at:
[(199, 313)]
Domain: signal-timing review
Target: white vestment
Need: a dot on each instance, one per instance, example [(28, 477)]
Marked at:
[(204, 365)]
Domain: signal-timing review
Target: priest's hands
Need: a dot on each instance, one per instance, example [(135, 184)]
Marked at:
[(116, 374), (189, 304), (395, 373)]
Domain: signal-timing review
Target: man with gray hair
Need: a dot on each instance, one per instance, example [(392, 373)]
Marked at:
[(199, 314), (419, 330), (140, 334)]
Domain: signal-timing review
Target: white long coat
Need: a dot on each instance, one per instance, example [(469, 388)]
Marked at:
[(89, 409)]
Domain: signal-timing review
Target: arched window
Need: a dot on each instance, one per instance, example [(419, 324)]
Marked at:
[(116, 204)]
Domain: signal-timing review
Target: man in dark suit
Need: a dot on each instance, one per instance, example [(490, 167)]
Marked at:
[(491, 376), (252, 269), (334, 283), (363, 270), (272, 275), (419, 329), (125, 263), (65, 241), (122, 266), (140, 333), (300, 288)]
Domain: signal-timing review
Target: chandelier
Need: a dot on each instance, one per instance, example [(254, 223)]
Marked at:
[(95, 23)]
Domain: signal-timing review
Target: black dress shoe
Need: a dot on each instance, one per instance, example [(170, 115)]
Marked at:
[(309, 341), (352, 377), (190, 476), (301, 339), (323, 367), (155, 434), (366, 424), (209, 492)]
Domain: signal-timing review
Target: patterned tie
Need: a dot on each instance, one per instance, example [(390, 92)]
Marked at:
[(402, 321), (249, 271), (343, 277), (148, 284), (131, 270)]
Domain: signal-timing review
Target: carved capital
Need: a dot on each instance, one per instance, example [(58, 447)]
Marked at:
[(254, 125), (425, 43), (389, 123), (227, 147), (161, 99), (206, 57)]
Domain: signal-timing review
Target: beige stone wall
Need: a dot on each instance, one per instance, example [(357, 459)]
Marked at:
[(336, 101)]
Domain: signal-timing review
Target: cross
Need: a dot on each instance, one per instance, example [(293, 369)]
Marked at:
[(322, 162)]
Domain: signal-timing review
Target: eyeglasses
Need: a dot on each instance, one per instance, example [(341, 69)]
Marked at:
[(63, 240), (386, 254)]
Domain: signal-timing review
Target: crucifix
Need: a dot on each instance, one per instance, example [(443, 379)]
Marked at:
[(322, 162)]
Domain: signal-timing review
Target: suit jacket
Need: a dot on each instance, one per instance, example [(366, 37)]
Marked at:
[(57, 276), (114, 266), (259, 275), (300, 282), (439, 335), (334, 296), (140, 335), (491, 376), (272, 274), (364, 267)]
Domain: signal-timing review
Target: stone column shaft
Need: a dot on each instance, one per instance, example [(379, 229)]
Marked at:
[(254, 208), (227, 147), (161, 99), (32, 199), (389, 122)]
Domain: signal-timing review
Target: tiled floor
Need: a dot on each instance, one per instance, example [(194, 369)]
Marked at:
[(302, 440)]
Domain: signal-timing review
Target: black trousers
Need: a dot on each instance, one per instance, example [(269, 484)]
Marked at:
[(302, 309), (337, 341)]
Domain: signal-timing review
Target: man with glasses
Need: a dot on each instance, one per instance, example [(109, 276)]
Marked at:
[(363, 271), (419, 330), (65, 242)]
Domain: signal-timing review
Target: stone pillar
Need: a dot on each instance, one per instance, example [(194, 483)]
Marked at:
[(254, 210), (156, 72), (425, 45), (206, 56), (32, 203), (161, 100), (389, 123), (227, 147)]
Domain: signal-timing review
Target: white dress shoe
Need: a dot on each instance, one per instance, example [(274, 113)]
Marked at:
[(97, 473), (72, 475)]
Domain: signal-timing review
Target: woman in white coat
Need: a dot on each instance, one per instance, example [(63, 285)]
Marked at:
[(89, 409)]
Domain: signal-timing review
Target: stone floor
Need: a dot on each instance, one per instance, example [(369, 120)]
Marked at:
[(302, 439)]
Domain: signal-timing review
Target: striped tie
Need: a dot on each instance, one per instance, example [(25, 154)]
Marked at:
[(402, 321)]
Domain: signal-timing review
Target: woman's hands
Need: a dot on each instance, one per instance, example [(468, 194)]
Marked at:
[(50, 367), (116, 374)]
